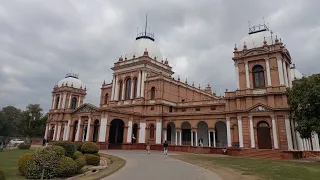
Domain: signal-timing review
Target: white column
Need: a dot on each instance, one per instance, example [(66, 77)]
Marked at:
[(123, 90), (214, 138), (59, 132), (294, 136), (79, 101), (309, 143), (237, 75), (143, 83), (142, 132), (129, 134), (288, 132), (64, 100), (247, 74), (55, 131), (176, 143), (88, 129), (317, 142), (113, 87), (280, 72), (46, 132), (289, 76), (60, 98), (165, 135), (64, 132), (252, 140), (274, 132), (54, 102), (285, 73), (158, 131), (191, 137), (300, 142), (228, 132), (196, 138), (103, 129), (180, 137), (132, 88), (67, 128), (69, 104), (116, 93), (268, 72), (139, 84), (209, 138), (240, 132), (78, 131)]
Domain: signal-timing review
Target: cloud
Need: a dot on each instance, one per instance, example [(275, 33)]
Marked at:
[(40, 41)]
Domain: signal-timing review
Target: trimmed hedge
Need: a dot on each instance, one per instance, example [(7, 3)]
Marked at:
[(77, 154), (42, 158), (69, 147), (81, 161), (58, 149), (24, 146), (78, 145), (2, 177), (23, 160), (92, 159), (66, 167), (89, 148)]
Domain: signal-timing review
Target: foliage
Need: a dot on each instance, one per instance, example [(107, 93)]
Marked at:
[(66, 167), (92, 159), (78, 145), (89, 148), (69, 147), (304, 102), (23, 160), (24, 146), (42, 159), (10, 118), (77, 154), (81, 161), (58, 149), (2, 177)]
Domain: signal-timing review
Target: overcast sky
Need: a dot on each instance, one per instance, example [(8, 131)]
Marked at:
[(40, 41)]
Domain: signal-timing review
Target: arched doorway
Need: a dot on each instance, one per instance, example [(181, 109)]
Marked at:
[(96, 126), (186, 133), (264, 138), (75, 129), (51, 133), (84, 130), (135, 133), (221, 134), (61, 132), (171, 133), (202, 129), (116, 131)]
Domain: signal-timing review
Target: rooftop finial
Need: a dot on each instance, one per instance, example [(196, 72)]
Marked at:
[(143, 33), (145, 28)]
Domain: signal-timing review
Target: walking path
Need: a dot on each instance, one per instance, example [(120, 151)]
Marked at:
[(156, 166)]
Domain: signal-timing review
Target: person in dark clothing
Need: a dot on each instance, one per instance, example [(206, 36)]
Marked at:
[(44, 142), (165, 147)]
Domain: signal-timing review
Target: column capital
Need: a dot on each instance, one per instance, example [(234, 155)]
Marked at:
[(286, 116), (272, 116), (228, 118), (239, 118), (250, 116)]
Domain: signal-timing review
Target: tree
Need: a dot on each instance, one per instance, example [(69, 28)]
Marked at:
[(304, 102), (31, 119), (10, 118)]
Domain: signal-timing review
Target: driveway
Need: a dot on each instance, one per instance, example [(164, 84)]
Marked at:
[(156, 166)]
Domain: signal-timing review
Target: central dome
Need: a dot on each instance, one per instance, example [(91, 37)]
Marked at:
[(256, 39), (141, 44), (71, 80)]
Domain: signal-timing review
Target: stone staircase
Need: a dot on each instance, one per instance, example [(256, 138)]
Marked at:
[(261, 153)]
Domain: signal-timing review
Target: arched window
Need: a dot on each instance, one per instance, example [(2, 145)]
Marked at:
[(128, 89), (106, 99), (170, 109), (135, 82), (153, 93), (95, 131), (57, 102), (258, 76), (120, 90), (73, 103), (151, 131)]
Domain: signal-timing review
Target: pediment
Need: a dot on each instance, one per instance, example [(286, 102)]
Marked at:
[(86, 108), (260, 108), (254, 52)]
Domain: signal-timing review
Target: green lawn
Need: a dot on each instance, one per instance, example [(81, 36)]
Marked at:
[(9, 162), (262, 168)]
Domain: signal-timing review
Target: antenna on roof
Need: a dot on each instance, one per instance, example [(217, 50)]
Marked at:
[(145, 28)]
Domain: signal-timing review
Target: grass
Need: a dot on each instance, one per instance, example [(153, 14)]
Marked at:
[(9, 162), (262, 168)]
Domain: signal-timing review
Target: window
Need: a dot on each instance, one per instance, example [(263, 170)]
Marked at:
[(258, 76), (135, 82), (106, 99), (213, 108), (151, 131), (128, 89), (183, 110), (57, 102), (73, 103), (153, 93), (170, 109), (152, 108), (197, 109), (182, 100), (120, 90)]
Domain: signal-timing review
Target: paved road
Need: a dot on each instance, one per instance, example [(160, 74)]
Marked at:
[(156, 166)]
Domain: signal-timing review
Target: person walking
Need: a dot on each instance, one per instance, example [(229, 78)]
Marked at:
[(165, 147), (148, 147)]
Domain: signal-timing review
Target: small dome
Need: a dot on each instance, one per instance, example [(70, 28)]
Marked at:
[(71, 80), (256, 39), (140, 45)]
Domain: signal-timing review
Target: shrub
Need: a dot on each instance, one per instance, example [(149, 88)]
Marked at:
[(92, 159), (97, 154), (77, 154), (78, 145), (42, 159), (66, 167), (81, 161), (58, 149), (89, 148), (2, 175), (24, 146), (23, 160), (69, 147)]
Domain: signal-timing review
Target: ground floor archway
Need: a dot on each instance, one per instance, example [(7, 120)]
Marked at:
[(171, 133), (135, 133), (75, 129), (186, 133), (202, 130), (221, 134), (116, 131), (96, 127), (264, 137)]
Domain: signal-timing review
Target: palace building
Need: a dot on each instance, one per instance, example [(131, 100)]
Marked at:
[(144, 103)]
